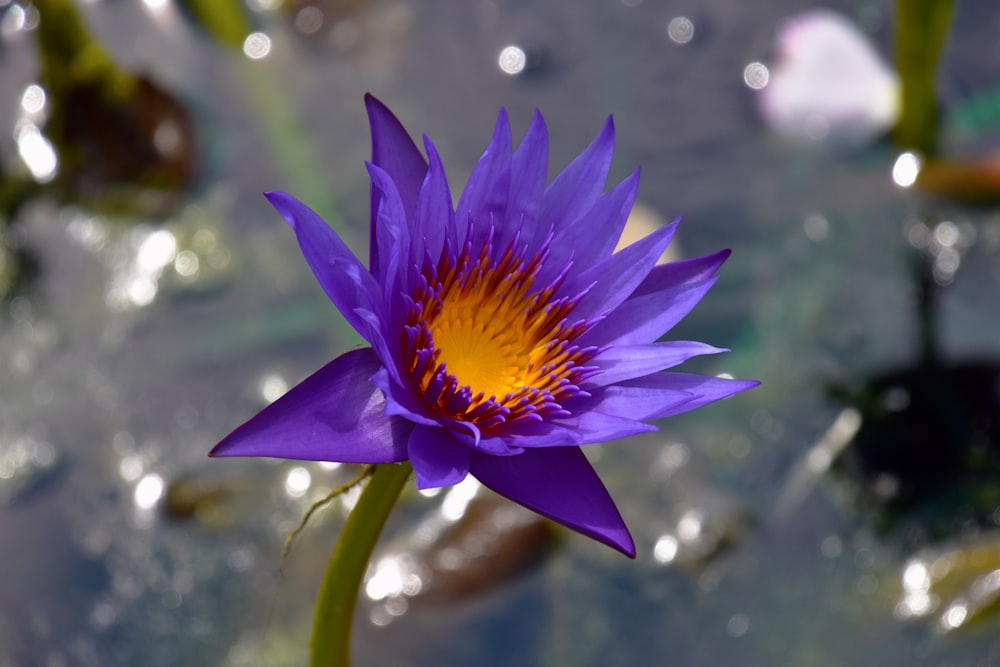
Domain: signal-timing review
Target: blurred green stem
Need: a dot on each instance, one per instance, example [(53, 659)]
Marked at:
[(331, 633), (71, 56), (921, 29)]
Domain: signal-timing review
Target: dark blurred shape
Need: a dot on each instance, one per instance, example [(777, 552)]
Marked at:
[(203, 498), (974, 180), (122, 141), (145, 142), (929, 443), (494, 541)]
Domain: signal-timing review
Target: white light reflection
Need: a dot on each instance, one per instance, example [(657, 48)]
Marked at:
[(458, 498), (665, 549), (156, 251), (272, 387), (14, 20), (155, 5), (690, 525), (37, 152), (33, 99), (393, 576), (257, 45), (148, 491), (756, 75), (512, 60), (906, 169), (954, 616), (680, 30), (297, 482), (187, 264)]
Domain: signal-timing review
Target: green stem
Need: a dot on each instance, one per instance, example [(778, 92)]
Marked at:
[(338, 594), (921, 30)]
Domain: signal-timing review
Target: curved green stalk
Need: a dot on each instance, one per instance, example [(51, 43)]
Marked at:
[(331, 632)]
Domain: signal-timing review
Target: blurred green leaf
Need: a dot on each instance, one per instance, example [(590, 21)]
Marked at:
[(921, 29)]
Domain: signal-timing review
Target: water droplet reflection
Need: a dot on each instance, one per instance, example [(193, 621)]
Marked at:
[(512, 60), (756, 75), (257, 45), (36, 151), (680, 30), (297, 482), (906, 169), (148, 491), (33, 99)]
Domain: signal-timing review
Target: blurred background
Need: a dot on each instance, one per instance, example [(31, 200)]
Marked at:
[(844, 513)]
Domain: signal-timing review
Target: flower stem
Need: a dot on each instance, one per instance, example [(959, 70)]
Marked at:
[(331, 632)]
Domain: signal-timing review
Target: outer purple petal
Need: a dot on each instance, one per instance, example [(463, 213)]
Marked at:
[(617, 277), (437, 458), (557, 482), (394, 151), (344, 279), (667, 294), (665, 395), (580, 184), (592, 237), (335, 414), (598, 427), (486, 195), (624, 362)]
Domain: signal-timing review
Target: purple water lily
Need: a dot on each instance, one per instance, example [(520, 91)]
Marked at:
[(505, 333)]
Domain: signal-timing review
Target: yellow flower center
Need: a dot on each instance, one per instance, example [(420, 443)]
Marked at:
[(489, 333)]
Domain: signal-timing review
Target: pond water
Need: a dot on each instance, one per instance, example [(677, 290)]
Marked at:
[(146, 338)]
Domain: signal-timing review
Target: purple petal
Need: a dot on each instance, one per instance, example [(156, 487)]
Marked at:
[(598, 427), (486, 195), (529, 170), (624, 362), (648, 314), (592, 237), (394, 151), (391, 233), (434, 218), (335, 414), (579, 185), (438, 460), (541, 434), (665, 394), (344, 279), (557, 482), (617, 277)]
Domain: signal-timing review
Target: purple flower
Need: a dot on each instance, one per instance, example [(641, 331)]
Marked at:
[(504, 333)]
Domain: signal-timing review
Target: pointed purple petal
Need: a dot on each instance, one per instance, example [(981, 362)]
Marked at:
[(438, 460), (592, 237), (557, 482), (661, 300), (541, 434), (394, 151), (335, 414), (434, 218), (598, 427), (624, 362), (665, 394), (617, 277), (529, 170), (391, 233), (344, 279), (580, 184), (486, 195)]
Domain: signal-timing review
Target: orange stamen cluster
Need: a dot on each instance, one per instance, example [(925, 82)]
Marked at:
[(483, 346)]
